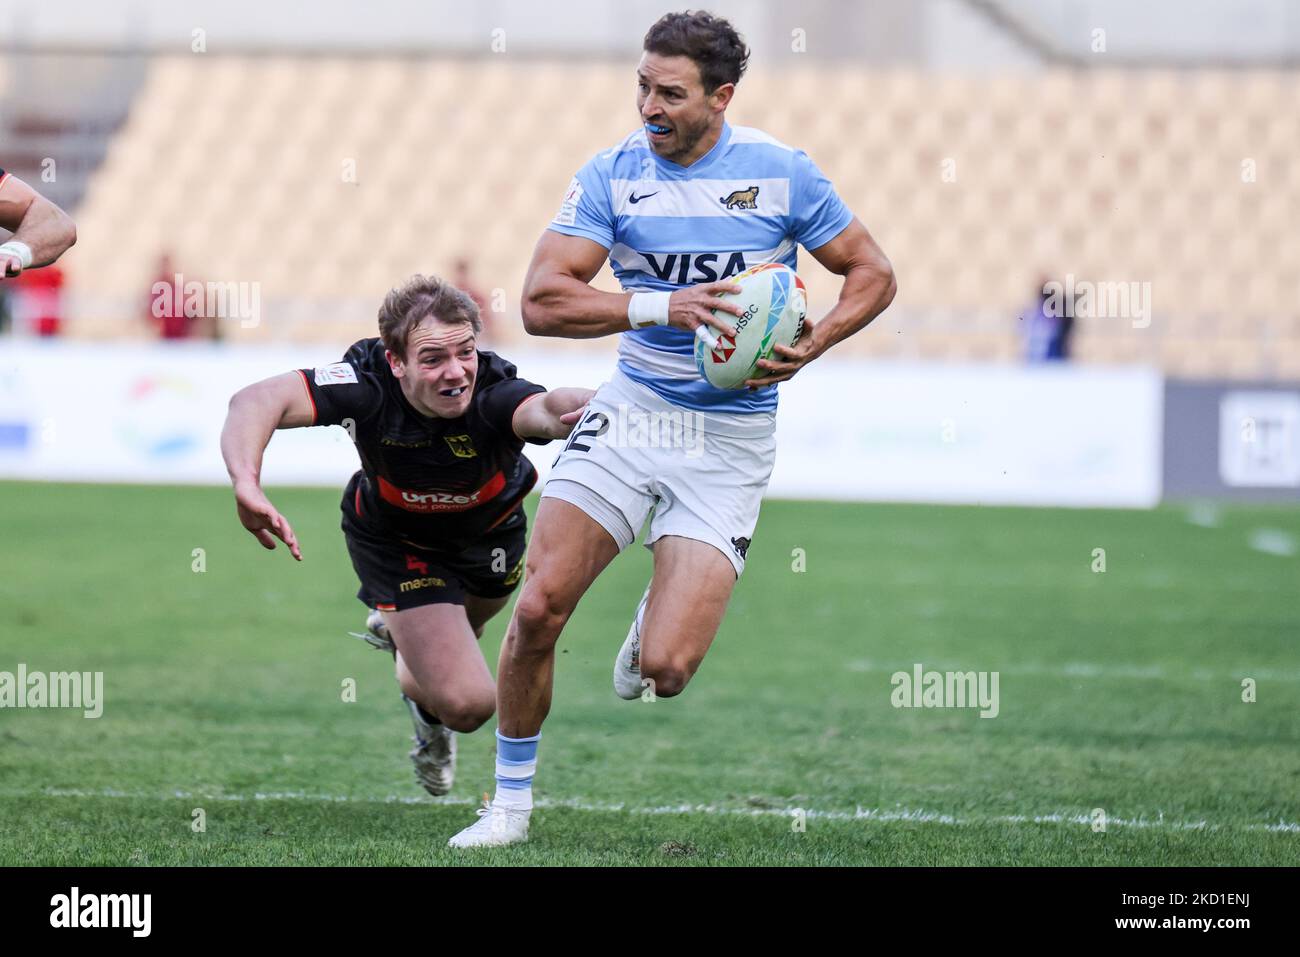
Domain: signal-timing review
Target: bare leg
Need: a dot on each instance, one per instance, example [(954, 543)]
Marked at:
[(481, 610), (567, 551), (478, 611), (440, 666), (692, 584)]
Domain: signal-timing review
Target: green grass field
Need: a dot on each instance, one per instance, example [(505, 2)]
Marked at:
[(1119, 690)]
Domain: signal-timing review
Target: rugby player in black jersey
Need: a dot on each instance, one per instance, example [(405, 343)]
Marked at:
[(41, 231), (434, 519)]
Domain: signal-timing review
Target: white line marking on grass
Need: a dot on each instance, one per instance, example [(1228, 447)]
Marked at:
[(1204, 514), (915, 815), (1283, 826), (1273, 541)]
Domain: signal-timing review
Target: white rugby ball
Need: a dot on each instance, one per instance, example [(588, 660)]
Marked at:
[(774, 302)]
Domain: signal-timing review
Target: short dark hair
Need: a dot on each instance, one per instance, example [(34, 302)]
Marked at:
[(711, 42), (415, 300)]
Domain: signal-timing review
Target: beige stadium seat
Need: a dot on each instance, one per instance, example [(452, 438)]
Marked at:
[(1121, 349), (1241, 358), (1187, 359), (1256, 295), (1284, 358), (1282, 138), (1092, 349), (1161, 91), (1212, 91)]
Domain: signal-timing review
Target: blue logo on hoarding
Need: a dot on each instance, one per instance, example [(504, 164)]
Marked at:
[(14, 435)]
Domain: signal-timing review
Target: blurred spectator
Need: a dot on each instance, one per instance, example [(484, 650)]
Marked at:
[(463, 281), (166, 304), (177, 315), (37, 297), (1047, 325)]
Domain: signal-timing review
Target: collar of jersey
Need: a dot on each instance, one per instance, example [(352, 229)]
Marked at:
[(708, 159)]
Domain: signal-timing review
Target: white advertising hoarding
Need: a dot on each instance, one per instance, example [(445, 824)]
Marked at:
[(983, 434), (847, 430), (1259, 439)]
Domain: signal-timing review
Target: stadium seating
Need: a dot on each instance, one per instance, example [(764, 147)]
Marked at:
[(328, 179)]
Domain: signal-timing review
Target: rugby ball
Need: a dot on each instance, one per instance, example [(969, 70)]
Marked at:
[(774, 303)]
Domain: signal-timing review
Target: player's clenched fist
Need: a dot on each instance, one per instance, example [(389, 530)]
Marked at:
[(259, 516), (10, 263)]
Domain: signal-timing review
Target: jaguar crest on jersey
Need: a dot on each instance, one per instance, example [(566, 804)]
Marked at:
[(741, 199)]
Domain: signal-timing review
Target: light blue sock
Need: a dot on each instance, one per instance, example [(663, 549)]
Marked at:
[(516, 765)]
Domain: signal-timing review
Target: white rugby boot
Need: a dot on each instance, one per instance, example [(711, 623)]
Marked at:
[(376, 635), (495, 827), (434, 754), (627, 666)]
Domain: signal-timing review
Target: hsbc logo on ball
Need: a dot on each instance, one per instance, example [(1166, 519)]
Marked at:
[(726, 346)]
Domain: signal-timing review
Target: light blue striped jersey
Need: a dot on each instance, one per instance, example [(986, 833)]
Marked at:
[(749, 200)]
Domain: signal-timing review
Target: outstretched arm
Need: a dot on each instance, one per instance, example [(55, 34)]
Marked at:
[(557, 300), (38, 227), (551, 415), (256, 411)]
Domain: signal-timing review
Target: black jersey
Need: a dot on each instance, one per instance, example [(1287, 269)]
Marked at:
[(436, 483)]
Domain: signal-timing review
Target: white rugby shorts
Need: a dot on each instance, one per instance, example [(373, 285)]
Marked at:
[(702, 473)]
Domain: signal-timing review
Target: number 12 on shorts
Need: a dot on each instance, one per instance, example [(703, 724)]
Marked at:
[(595, 424)]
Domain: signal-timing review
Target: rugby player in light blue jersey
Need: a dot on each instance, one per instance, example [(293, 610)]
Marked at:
[(678, 208)]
